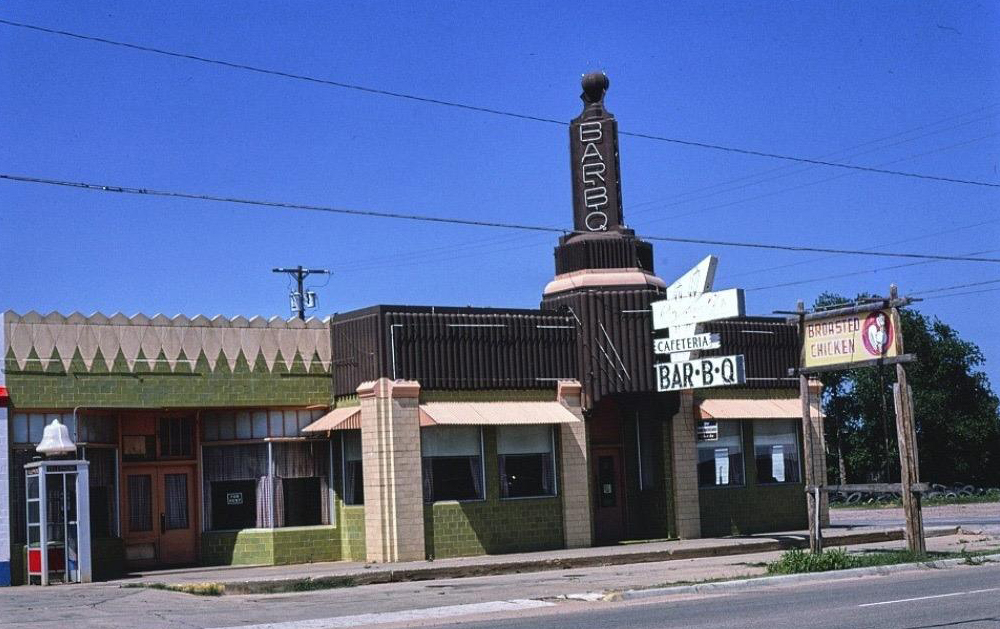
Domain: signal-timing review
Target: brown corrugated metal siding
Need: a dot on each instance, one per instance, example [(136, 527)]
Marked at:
[(453, 348), (614, 341), (769, 345)]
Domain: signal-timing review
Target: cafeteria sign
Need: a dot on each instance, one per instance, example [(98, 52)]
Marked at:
[(850, 338)]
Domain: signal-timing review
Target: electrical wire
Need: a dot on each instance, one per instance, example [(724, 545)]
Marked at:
[(971, 292), (460, 221), (487, 110), (955, 287)]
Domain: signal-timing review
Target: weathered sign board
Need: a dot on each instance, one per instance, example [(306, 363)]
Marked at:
[(701, 373), (721, 304), (850, 338), (686, 344)]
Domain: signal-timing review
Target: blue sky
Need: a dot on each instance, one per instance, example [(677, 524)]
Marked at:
[(901, 85)]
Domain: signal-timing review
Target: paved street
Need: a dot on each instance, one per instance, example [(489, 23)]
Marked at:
[(107, 605), (965, 598)]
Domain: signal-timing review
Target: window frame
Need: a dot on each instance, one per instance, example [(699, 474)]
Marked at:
[(799, 455), (482, 473), (743, 484), (555, 468)]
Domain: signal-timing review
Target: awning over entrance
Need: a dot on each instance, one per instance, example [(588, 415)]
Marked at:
[(494, 413), (787, 408), (344, 418)]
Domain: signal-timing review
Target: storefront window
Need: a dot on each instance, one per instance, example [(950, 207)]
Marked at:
[(266, 485), (776, 451), (452, 463), (526, 461), (354, 482), (720, 453)]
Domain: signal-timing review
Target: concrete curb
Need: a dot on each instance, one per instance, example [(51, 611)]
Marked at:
[(791, 579), (265, 585)]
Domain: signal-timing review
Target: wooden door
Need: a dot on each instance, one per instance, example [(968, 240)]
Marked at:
[(159, 515), (176, 520), (609, 508)]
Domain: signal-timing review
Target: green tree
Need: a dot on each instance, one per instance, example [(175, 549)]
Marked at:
[(956, 412)]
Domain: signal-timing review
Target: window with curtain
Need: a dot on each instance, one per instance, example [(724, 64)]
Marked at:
[(233, 474), (776, 451), (526, 461), (353, 478), (452, 463), (302, 469), (720, 453)]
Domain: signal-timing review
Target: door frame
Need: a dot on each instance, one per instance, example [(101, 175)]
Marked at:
[(617, 452)]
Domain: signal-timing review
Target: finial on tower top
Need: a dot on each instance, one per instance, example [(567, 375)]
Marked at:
[(594, 85)]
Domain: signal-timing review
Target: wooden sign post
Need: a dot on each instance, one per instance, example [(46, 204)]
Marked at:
[(909, 470), (862, 335)]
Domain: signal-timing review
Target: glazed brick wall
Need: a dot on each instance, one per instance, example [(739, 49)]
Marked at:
[(753, 508), (289, 545), (145, 388), (455, 529)]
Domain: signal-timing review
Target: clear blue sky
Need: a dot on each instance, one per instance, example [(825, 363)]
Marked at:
[(906, 85)]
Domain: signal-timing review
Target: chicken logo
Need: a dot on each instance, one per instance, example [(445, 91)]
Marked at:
[(877, 333)]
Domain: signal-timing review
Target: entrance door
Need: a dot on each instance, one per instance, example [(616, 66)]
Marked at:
[(609, 508), (159, 515)]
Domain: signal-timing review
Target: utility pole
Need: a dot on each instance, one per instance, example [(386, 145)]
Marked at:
[(301, 300)]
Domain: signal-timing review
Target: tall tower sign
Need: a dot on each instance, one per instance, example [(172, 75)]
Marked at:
[(593, 141)]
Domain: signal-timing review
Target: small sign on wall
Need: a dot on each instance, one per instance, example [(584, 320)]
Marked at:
[(234, 498)]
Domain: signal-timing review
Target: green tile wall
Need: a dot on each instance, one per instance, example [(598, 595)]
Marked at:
[(753, 508), (186, 387), (289, 545), (454, 529)]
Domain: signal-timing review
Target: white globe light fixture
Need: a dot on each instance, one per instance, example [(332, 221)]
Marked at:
[(55, 440)]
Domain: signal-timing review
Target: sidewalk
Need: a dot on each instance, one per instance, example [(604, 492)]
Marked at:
[(271, 579)]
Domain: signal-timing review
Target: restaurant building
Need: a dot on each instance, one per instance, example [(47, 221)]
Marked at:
[(398, 433)]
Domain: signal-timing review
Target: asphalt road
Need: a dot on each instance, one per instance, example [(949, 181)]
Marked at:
[(963, 598), (983, 516)]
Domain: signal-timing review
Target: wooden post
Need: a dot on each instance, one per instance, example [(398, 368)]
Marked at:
[(812, 505), (909, 471)]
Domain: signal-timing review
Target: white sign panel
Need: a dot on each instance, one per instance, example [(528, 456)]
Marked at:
[(696, 281), (701, 373), (721, 304), (722, 466), (686, 344)]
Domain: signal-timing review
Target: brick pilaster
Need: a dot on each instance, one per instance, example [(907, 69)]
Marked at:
[(390, 446), (574, 470), (685, 469)]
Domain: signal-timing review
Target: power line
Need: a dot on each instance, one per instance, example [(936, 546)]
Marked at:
[(838, 276), (971, 292), (955, 287), (460, 221), (485, 110)]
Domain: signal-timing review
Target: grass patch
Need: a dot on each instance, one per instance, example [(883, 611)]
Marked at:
[(198, 589), (798, 561)]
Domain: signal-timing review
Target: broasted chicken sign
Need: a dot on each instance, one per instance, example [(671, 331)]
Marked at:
[(851, 338)]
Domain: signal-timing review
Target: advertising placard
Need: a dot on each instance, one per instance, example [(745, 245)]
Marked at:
[(701, 373), (850, 338)]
